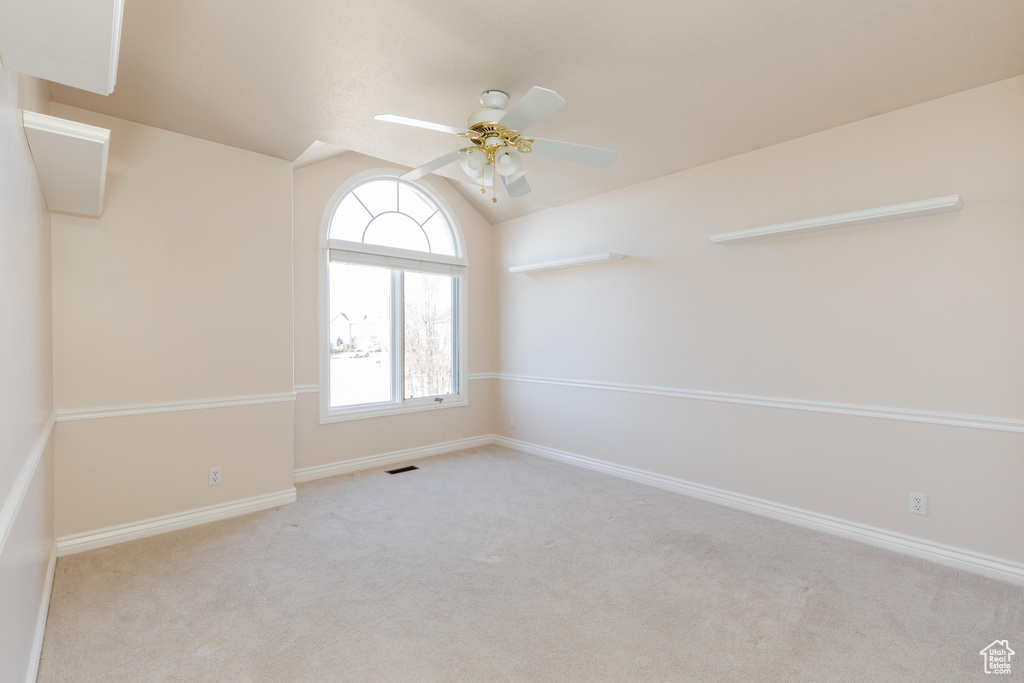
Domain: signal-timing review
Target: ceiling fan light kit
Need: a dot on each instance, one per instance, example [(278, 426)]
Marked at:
[(498, 142)]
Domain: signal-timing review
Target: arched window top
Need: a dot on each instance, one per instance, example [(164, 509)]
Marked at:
[(392, 299), (391, 212)]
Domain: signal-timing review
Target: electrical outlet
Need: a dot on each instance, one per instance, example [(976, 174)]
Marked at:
[(919, 503), (512, 421), (214, 476)]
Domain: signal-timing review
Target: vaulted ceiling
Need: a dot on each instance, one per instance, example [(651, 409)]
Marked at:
[(668, 84)]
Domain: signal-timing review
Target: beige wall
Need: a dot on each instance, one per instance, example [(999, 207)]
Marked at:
[(26, 382), (925, 314), (24, 574), (317, 444), (181, 291), (127, 469)]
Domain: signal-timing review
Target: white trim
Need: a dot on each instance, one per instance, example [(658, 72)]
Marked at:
[(88, 540), (73, 43), (385, 409), (358, 179), (44, 609), (401, 258), (314, 388), (71, 162), (460, 310), (346, 466), (925, 207), (950, 556), (65, 128), (9, 512), (173, 406), (589, 260), (420, 265), (1005, 424), (115, 44)]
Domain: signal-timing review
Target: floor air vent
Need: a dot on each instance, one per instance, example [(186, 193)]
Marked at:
[(403, 469)]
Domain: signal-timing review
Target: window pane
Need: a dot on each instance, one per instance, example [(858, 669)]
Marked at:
[(360, 334), (396, 230), (379, 195), (428, 335), (412, 203), (440, 235), (349, 220)]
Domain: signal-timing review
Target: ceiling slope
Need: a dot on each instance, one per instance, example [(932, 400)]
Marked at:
[(669, 85)]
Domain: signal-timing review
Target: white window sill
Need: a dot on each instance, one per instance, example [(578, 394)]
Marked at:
[(345, 414)]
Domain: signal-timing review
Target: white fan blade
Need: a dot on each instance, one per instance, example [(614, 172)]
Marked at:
[(517, 188), (432, 166), (531, 108), (406, 121), (567, 151)]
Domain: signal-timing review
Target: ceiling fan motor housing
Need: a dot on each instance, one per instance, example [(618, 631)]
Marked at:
[(494, 102), (485, 115), (494, 99)]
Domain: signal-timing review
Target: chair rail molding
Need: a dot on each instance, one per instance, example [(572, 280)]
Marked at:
[(16, 496), (172, 406), (1005, 424)]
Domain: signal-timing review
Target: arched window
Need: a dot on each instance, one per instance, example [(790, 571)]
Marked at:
[(392, 294)]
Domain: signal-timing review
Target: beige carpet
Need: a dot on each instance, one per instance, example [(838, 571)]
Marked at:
[(490, 565)]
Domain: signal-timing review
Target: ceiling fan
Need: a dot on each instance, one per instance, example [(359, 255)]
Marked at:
[(498, 141)]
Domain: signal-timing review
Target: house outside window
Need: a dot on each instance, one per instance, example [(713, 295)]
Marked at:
[(392, 300)]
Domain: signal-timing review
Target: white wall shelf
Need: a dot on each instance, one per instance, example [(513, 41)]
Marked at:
[(925, 207), (71, 160), (74, 42), (575, 262)]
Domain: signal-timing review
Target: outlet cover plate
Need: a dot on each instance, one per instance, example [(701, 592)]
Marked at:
[(919, 503)]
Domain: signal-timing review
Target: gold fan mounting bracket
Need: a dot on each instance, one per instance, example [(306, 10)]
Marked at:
[(480, 133)]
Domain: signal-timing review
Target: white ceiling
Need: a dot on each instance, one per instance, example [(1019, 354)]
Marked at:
[(668, 84)]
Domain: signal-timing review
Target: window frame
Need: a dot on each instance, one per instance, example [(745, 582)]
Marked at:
[(391, 257)]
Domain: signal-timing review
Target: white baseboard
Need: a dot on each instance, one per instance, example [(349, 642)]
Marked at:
[(44, 609), (345, 466), (76, 543), (950, 556), (89, 540)]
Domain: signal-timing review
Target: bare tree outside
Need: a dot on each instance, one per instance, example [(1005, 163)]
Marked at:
[(428, 335)]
